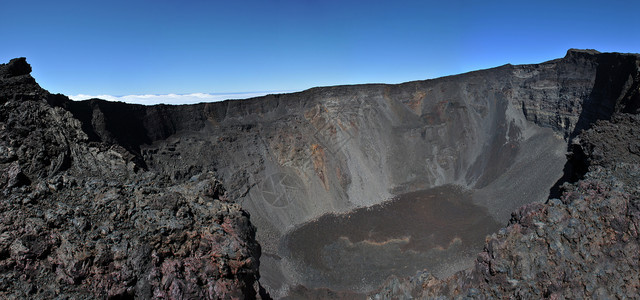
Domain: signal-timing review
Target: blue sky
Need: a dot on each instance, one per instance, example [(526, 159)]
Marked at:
[(182, 47)]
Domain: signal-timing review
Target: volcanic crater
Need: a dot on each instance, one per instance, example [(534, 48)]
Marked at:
[(348, 185)]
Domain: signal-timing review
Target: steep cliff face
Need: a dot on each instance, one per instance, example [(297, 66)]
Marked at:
[(80, 219), (461, 150), (583, 244)]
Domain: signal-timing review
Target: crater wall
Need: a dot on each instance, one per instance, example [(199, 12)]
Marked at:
[(500, 134)]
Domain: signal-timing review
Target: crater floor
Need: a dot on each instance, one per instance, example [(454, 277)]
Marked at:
[(357, 251)]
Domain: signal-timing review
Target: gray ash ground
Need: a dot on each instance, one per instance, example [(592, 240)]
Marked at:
[(430, 229)]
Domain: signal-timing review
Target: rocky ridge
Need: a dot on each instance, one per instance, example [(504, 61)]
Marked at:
[(82, 219)]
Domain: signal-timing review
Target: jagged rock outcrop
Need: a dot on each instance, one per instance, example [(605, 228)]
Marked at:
[(81, 219)]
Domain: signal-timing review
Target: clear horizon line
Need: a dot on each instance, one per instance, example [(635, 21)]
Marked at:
[(176, 99)]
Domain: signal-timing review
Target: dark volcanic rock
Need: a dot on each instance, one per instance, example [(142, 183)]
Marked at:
[(16, 82), (17, 67), (611, 142), (80, 219)]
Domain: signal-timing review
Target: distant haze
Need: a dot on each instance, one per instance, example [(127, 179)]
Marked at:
[(174, 98)]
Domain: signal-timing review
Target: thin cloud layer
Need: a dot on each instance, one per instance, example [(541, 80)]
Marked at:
[(172, 98)]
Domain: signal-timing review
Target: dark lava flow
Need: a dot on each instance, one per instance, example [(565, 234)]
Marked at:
[(429, 229)]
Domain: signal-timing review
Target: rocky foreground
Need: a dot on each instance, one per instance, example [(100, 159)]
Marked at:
[(82, 219), (119, 201)]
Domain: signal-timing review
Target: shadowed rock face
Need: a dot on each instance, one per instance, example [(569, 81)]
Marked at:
[(311, 161)]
